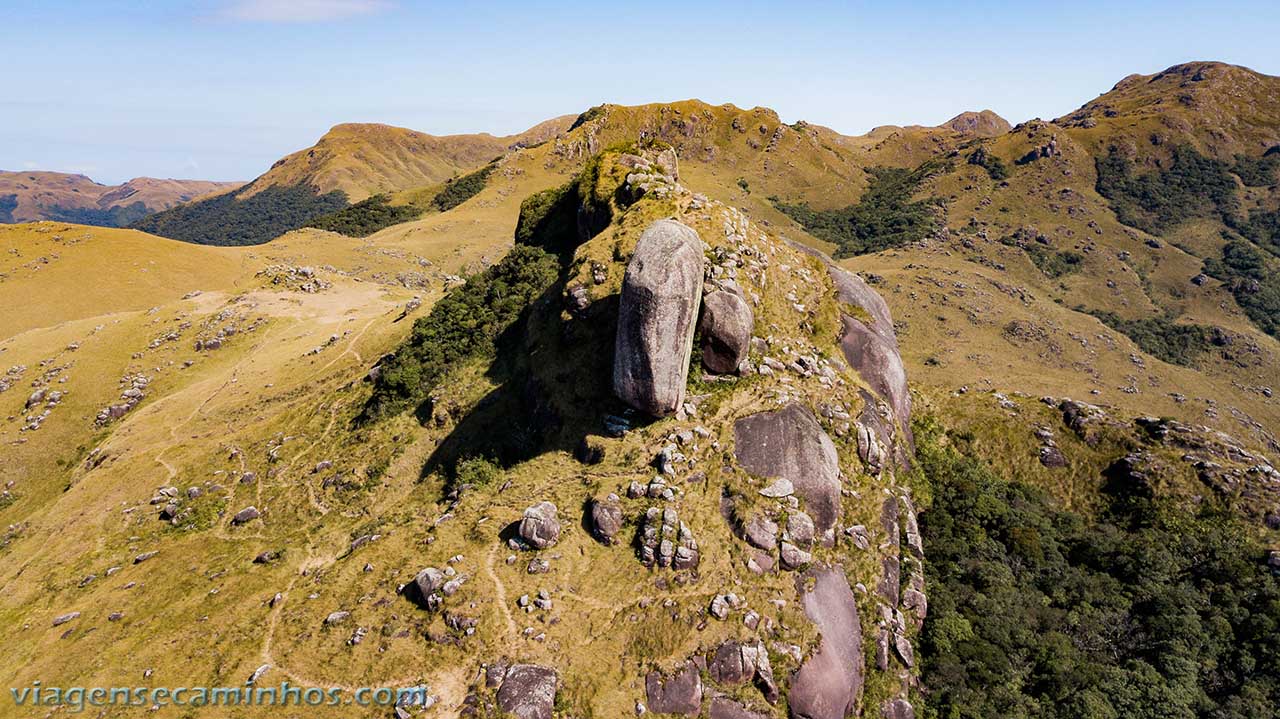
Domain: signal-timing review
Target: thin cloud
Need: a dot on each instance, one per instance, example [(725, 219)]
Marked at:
[(301, 11)]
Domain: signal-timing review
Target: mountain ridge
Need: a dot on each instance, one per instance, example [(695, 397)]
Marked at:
[(42, 195)]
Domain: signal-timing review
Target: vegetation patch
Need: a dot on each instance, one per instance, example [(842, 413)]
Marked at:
[(1161, 337), (884, 218), (1035, 611), (460, 189), (1055, 264), (366, 217), (1258, 171), (119, 216), (8, 203), (994, 166), (1191, 186), (225, 220), (1253, 278), (548, 219), (463, 325)]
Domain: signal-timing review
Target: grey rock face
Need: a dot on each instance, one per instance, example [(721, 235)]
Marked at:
[(829, 683), (790, 444), (528, 691), (248, 514), (657, 313), (605, 518), (726, 325), (539, 527), (680, 693)]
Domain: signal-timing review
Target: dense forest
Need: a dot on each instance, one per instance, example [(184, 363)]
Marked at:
[(1143, 611), (886, 216), (226, 220)]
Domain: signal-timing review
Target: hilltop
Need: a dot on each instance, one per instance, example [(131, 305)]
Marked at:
[(39, 195)]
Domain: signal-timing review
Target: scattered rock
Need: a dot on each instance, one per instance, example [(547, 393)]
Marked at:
[(64, 618), (248, 514)]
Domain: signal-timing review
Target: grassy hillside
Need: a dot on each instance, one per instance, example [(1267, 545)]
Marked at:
[(1021, 267)]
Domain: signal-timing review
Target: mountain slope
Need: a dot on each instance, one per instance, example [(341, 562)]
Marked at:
[(348, 164), (28, 196), (1094, 428)]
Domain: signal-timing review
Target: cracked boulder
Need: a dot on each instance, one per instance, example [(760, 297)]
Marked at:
[(790, 444), (657, 314)]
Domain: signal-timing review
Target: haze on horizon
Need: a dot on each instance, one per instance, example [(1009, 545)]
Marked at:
[(220, 89)]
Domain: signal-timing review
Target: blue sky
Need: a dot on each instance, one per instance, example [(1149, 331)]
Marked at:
[(219, 89)]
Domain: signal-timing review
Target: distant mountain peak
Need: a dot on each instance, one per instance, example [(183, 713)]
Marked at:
[(984, 123)]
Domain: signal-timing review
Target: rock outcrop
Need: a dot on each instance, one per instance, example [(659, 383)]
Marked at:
[(657, 312), (726, 326), (528, 691), (681, 693), (665, 541), (829, 682), (790, 444)]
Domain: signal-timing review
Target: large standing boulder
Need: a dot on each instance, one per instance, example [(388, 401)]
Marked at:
[(528, 691), (680, 693), (657, 313), (726, 326), (828, 684), (539, 527), (790, 444)]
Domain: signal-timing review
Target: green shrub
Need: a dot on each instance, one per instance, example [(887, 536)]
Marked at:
[(464, 324), (366, 217), (1160, 337), (476, 471), (225, 220), (1142, 611), (885, 217), (1055, 264), (1192, 186)]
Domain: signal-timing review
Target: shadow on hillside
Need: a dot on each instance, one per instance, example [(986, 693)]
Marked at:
[(554, 389)]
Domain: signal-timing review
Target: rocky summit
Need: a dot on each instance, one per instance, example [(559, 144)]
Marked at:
[(673, 409)]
